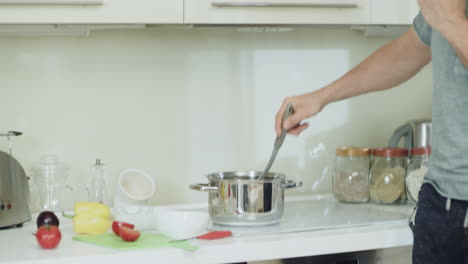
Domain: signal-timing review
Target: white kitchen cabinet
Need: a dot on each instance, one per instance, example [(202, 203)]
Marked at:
[(91, 11), (277, 12), (393, 12)]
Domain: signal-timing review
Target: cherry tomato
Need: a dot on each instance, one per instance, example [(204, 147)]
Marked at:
[(117, 224), (128, 234), (48, 236)]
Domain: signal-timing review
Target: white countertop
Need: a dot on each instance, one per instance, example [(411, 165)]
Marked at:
[(20, 246)]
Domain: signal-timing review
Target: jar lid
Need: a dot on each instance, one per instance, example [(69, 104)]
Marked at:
[(421, 151), (353, 151), (50, 167), (390, 152)]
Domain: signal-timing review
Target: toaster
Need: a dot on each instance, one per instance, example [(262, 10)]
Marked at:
[(14, 191)]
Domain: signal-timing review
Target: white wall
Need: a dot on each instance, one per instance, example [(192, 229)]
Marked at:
[(180, 103)]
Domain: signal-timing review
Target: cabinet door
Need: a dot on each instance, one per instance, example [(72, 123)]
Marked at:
[(393, 12), (277, 11), (90, 11)]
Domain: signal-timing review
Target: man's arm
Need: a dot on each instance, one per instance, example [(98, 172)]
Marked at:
[(387, 67), (449, 18)]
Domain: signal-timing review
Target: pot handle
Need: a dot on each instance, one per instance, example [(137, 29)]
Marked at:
[(203, 187), (288, 184)]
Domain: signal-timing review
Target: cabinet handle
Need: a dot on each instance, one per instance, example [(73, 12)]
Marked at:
[(51, 2), (262, 4)]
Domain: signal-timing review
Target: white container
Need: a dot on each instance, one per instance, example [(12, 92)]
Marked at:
[(134, 187), (181, 224)]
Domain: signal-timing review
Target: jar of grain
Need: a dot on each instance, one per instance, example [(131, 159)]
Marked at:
[(351, 174), (387, 176), (418, 167)]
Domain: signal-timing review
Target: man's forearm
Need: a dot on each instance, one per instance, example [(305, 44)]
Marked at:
[(457, 36), (387, 67)]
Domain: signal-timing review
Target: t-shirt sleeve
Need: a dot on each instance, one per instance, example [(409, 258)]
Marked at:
[(423, 29)]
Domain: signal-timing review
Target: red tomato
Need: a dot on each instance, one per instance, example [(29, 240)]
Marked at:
[(48, 236), (117, 224), (128, 234)]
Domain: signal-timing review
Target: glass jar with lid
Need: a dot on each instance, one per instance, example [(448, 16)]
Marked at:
[(418, 167), (351, 174), (387, 176)]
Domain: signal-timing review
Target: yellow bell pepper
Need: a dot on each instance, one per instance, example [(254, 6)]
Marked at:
[(97, 209), (91, 218)]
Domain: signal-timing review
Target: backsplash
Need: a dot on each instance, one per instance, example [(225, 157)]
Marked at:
[(181, 102)]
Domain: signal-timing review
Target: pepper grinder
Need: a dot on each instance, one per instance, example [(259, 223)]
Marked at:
[(97, 191)]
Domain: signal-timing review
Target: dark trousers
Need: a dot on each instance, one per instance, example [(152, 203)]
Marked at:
[(439, 235)]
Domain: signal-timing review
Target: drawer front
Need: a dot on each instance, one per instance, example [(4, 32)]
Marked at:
[(393, 12), (277, 11), (91, 11)]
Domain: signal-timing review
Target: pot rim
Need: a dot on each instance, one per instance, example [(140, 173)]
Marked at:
[(245, 176)]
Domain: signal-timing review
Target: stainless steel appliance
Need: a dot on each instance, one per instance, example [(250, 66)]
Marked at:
[(416, 133), (239, 198), (14, 190)]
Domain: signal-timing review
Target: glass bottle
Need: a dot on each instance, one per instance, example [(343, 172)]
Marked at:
[(97, 190), (351, 174), (418, 167), (387, 176)]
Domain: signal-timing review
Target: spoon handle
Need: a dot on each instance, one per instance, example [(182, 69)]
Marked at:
[(279, 140), (287, 113)]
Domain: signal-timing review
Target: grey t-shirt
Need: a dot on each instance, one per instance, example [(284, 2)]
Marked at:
[(448, 165)]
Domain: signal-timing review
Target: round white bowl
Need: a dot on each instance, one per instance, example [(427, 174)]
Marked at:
[(181, 224)]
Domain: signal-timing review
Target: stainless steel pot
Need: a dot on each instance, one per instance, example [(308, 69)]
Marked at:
[(239, 199)]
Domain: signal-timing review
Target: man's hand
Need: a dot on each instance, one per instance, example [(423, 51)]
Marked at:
[(304, 106), (443, 14)]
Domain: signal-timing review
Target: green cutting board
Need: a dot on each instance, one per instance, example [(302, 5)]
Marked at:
[(145, 241)]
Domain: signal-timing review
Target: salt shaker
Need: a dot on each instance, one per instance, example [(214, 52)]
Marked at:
[(97, 191)]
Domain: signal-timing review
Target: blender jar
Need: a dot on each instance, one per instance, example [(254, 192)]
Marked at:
[(50, 190)]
